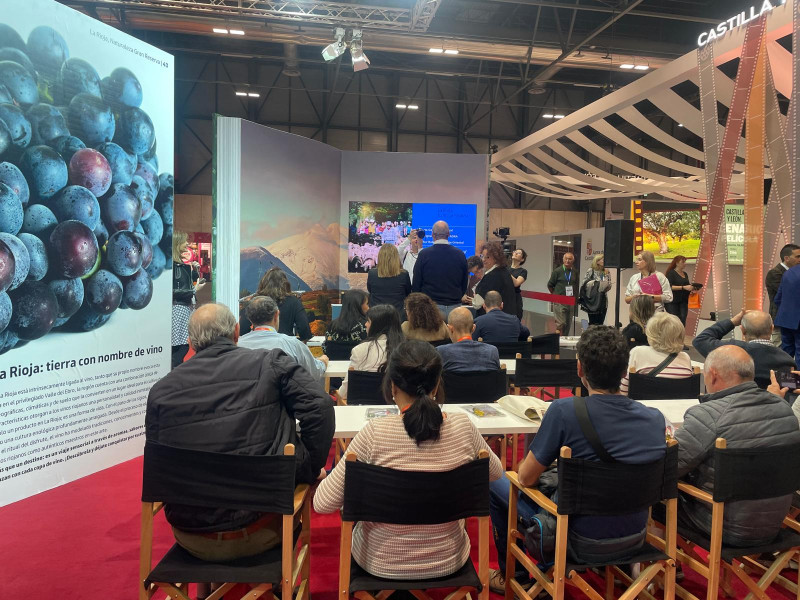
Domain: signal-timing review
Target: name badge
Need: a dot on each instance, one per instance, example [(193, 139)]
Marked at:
[(568, 291)]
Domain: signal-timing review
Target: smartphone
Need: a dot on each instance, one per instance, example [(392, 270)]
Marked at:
[(787, 379)]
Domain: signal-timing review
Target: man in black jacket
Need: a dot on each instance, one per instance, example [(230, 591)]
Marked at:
[(756, 331), (790, 256), (235, 400), (441, 271)]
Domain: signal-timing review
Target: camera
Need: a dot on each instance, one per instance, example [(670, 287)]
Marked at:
[(502, 232), (421, 234)]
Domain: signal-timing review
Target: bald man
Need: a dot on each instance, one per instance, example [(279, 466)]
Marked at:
[(235, 400), (441, 271), (757, 341), (464, 354), (747, 417)]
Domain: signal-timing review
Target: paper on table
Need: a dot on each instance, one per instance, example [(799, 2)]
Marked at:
[(526, 407), (483, 410), (374, 413), (650, 285)]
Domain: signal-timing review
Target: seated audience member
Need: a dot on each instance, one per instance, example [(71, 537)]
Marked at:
[(497, 326), (263, 313), (465, 354), (425, 321), (383, 336), (747, 417), (234, 400), (630, 432), (642, 309), (497, 277), (294, 321), (757, 333), (664, 353), (421, 438), (351, 324), (389, 283)]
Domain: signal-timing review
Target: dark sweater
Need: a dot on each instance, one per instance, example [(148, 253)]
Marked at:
[(388, 290), (499, 280), (634, 335), (292, 316), (441, 272)]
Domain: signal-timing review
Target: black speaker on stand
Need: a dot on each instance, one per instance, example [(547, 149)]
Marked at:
[(618, 252)]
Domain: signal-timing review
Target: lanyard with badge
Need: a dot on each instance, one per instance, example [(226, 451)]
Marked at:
[(568, 289)]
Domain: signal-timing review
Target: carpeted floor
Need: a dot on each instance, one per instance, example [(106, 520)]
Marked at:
[(81, 541)]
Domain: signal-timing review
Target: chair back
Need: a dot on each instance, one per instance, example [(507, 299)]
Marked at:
[(215, 479), (437, 343), (383, 495), (549, 343), (588, 487), (511, 349), (756, 473), (339, 350), (646, 387), (554, 372), (364, 387), (477, 386)]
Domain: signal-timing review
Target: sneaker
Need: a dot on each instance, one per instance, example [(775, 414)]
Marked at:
[(497, 582)]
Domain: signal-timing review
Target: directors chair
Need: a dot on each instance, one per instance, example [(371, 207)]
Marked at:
[(236, 481), (600, 489), (383, 495), (742, 474), (642, 386)]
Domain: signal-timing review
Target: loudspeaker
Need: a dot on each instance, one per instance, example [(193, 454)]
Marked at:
[(618, 246)]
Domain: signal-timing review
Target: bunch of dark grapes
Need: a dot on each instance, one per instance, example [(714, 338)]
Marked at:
[(85, 217)]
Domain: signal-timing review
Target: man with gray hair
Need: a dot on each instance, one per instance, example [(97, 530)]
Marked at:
[(235, 400), (756, 331), (441, 271), (747, 417), (264, 315)]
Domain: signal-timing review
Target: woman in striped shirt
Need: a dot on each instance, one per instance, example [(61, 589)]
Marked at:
[(420, 438), (665, 334)]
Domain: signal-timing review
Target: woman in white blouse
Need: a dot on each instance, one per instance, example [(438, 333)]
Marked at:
[(420, 438), (646, 264), (383, 335)]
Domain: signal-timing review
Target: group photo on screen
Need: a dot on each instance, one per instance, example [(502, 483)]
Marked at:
[(370, 226)]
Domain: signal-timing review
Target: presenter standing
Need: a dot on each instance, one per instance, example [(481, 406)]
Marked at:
[(564, 282), (441, 271), (646, 264), (681, 288)]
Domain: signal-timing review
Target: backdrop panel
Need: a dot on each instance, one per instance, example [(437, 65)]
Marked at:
[(84, 295)]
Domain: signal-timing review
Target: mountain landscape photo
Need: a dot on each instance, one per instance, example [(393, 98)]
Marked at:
[(313, 256), (255, 261)]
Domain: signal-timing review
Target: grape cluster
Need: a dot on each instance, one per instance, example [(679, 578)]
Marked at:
[(85, 217)]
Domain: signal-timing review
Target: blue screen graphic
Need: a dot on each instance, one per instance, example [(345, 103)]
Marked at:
[(460, 217)]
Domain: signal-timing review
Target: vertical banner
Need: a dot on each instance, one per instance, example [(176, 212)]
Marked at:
[(754, 186), (86, 154)]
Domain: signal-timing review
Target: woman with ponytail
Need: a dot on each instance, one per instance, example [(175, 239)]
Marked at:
[(420, 438)]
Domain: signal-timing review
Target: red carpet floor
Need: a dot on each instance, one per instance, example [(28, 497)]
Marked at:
[(81, 541)]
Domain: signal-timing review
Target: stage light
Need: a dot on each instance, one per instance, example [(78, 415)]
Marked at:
[(360, 60), (642, 67), (401, 106), (219, 30), (548, 116), (436, 50), (627, 66), (449, 51), (337, 48), (237, 32)]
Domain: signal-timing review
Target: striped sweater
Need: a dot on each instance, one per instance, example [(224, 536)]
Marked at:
[(408, 551)]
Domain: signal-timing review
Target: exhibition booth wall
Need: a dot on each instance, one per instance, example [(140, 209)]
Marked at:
[(85, 294)]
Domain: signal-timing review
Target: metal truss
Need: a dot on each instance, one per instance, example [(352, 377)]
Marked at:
[(417, 18)]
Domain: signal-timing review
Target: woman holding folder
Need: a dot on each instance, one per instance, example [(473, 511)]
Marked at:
[(649, 282)]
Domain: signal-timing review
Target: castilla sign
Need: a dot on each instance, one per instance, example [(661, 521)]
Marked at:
[(737, 21)]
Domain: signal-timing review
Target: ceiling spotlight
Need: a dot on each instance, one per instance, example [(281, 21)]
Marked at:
[(436, 50), (241, 93), (680, 124), (219, 30), (627, 66), (360, 60), (548, 116), (237, 32), (412, 107), (449, 51), (401, 106), (637, 67), (337, 48), (253, 94), (558, 116)]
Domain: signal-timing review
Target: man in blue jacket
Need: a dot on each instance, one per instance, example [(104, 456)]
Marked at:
[(788, 317), (497, 326), (465, 355), (441, 271)]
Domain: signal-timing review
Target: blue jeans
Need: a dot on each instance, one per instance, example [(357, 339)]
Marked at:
[(498, 512), (446, 309)]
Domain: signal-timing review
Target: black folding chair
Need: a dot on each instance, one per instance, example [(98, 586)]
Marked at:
[(475, 386), (743, 474), (646, 387), (547, 344), (437, 343), (364, 387), (383, 495), (263, 484), (555, 372), (601, 489), (513, 349), (339, 350)]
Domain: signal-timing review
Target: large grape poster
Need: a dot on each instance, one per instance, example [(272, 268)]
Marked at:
[(86, 196)]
